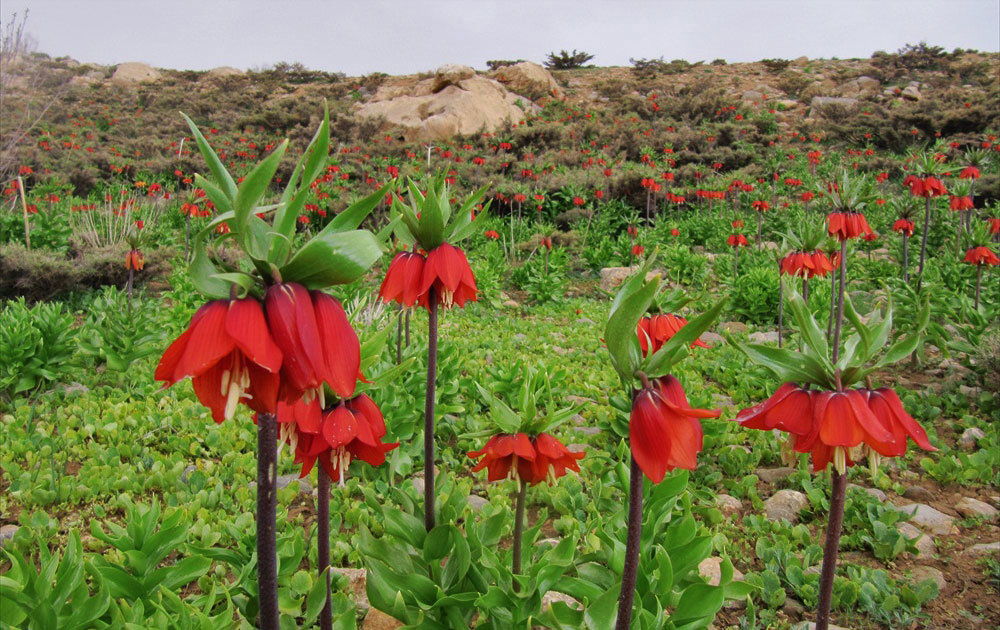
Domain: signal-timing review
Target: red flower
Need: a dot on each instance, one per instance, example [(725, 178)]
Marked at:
[(493, 234), (887, 407), (664, 432), (551, 460), (578, 201), (926, 187), (845, 225), (806, 264), (960, 203), (675, 232), (230, 355), (403, 279), (503, 454), (981, 256), (994, 225), (761, 206), (841, 422), (737, 240), (637, 250), (547, 242), (134, 260), (658, 329), (316, 339), (448, 272), (789, 409), (352, 430), (903, 226), (738, 223), (969, 172)]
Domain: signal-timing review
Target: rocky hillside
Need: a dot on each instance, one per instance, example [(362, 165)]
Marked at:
[(102, 122)]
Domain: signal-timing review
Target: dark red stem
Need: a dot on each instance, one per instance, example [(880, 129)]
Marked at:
[(323, 544), (831, 549), (267, 506), (432, 350), (632, 541)]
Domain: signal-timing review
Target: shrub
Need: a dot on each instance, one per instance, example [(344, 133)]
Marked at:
[(36, 346), (754, 294), (567, 61), (775, 66), (494, 64)]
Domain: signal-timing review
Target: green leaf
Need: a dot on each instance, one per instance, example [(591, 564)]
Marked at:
[(352, 217), (332, 258), (787, 365), (437, 544), (620, 332), (661, 362), (204, 273), (602, 612), (698, 601), (814, 338), (254, 186), (219, 172), (215, 194)]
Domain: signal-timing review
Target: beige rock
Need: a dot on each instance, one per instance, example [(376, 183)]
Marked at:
[(357, 579), (920, 573), (983, 549), (785, 504), (529, 79), (552, 596), (222, 72), (826, 105), (711, 570), (728, 505), (970, 507), (923, 542), (451, 74), (134, 72), (861, 87), (929, 519)]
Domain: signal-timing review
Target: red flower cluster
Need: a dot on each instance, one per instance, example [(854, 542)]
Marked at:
[(761, 206), (737, 240), (969, 172), (841, 427), (134, 260), (445, 269), (532, 460), (806, 264), (960, 203), (491, 234), (925, 187), (664, 432), (637, 250), (845, 225), (981, 256), (351, 430), (903, 226), (656, 330)]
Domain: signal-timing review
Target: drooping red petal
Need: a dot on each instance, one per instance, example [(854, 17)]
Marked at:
[(292, 322), (339, 426), (838, 425), (245, 323), (208, 343), (902, 419), (208, 389), (341, 348), (648, 439), (263, 389)]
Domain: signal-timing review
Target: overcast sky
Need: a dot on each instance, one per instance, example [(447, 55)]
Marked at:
[(407, 36)]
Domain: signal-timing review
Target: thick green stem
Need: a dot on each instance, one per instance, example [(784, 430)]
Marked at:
[(979, 282), (432, 348), (923, 241), (632, 541), (906, 257), (840, 301), (781, 303)]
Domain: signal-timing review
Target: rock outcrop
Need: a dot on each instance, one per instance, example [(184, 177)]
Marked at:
[(528, 79), (455, 102), (134, 72)]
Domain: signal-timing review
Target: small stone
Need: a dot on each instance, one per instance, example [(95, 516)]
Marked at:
[(764, 336), (734, 327), (186, 474), (918, 493), (969, 392), (579, 400), (774, 475), (284, 480), (785, 504), (921, 572), (929, 519), (909, 475), (712, 338), (815, 569), (552, 597), (7, 532), (357, 581), (511, 304), (477, 502), (970, 507), (970, 437), (75, 388), (711, 570), (793, 607), (728, 505), (982, 549), (378, 620), (875, 492), (418, 485), (811, 625), (587, 322), (922, 541), (521, 337), (588, 430)]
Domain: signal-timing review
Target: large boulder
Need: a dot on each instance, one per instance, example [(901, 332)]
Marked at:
[(529, 79), (134, 72), (832, 106), (222, 72), (455, 102), (861, 87)]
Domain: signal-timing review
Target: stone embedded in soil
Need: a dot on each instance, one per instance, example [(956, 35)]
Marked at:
[(921, 572), (711, 570), (588, 430), (982, 549), (770, 336), (733, 327), (552, 597), (378, 620), (793, 608), (774, 475), (970, 507), (970, 437), (785, 504), (728, 505), (477, 502), (586, 321), (918, 493), (7, 532), (284, 480), (712, 338), (929, 519), (357, 581), (875, 492), (922, 541)]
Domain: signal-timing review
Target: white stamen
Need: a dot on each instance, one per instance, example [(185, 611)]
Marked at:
[(225, 382), (840, 459)]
